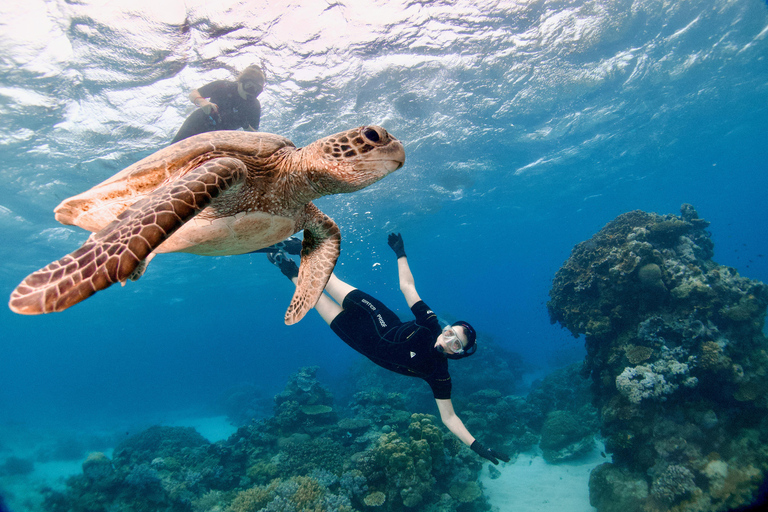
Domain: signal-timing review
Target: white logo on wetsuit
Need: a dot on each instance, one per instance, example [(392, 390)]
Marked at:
[(381, 321), (413, 354), (373, 308)]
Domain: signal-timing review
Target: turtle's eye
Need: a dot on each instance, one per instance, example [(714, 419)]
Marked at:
[(371, 134)]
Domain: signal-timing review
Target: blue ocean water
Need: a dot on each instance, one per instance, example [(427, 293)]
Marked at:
[(528, 125)]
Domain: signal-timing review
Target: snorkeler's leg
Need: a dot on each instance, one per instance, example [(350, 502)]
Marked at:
[(327, 308), (338, 289)]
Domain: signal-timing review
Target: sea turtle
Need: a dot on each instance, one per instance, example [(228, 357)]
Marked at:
[(217, 193)]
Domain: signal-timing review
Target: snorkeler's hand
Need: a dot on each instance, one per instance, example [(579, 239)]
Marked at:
[(488, 453), (210, 109), (395, 241)]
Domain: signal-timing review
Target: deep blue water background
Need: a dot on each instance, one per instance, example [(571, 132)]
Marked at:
[(527, 125)]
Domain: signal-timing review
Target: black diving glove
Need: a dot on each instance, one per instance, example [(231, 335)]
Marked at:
[(488, 453), (395, 241)]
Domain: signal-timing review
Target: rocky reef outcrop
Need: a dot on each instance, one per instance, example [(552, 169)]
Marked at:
[(678, 363)]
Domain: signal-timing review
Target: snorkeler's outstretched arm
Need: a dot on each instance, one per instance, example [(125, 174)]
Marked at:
[(201, 101), (407, 283), (451, 420)]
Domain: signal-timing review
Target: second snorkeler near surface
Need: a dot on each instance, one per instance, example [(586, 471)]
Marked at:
[(418, 348), (226, 105)]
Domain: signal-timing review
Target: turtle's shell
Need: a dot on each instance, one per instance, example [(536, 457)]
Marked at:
[(98, 206)]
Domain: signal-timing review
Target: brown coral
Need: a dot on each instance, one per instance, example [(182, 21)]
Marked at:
[(712, 357), (253, 499), (308, 493), (636, 354)]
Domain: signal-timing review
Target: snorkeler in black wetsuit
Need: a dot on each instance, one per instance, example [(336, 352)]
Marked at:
[(419, 348), (231, 105), (407, 348)]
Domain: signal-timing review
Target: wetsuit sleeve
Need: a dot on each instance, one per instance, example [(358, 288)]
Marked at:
[(208, 90), (425, 317)]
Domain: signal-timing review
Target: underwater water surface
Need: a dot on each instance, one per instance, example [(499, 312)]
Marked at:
[(528, 125)]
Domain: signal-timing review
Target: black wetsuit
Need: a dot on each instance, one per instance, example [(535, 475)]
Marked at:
[(234, 111), (407, 348)]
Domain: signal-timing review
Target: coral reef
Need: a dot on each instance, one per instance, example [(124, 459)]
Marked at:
[(678, 363), (303, 458)]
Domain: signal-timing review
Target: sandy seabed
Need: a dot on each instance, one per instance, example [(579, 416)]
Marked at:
[(530, 484)]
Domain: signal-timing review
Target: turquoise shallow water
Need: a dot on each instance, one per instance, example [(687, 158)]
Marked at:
[(528, 125)]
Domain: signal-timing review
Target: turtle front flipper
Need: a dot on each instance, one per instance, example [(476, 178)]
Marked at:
[(112, 254), (320, 250)]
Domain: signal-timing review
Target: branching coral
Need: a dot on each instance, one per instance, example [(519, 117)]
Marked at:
[(654, 381)]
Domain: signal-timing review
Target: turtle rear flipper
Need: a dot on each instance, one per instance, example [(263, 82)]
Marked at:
[(320, 250), (113, 254)]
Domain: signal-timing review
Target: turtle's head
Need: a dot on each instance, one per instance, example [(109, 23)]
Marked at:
[(351, 160)]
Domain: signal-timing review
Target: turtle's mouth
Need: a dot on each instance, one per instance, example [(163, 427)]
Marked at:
[(379, 165), (391, 156)]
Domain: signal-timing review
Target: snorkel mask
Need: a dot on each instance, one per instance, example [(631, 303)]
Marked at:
[(471, 346)]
